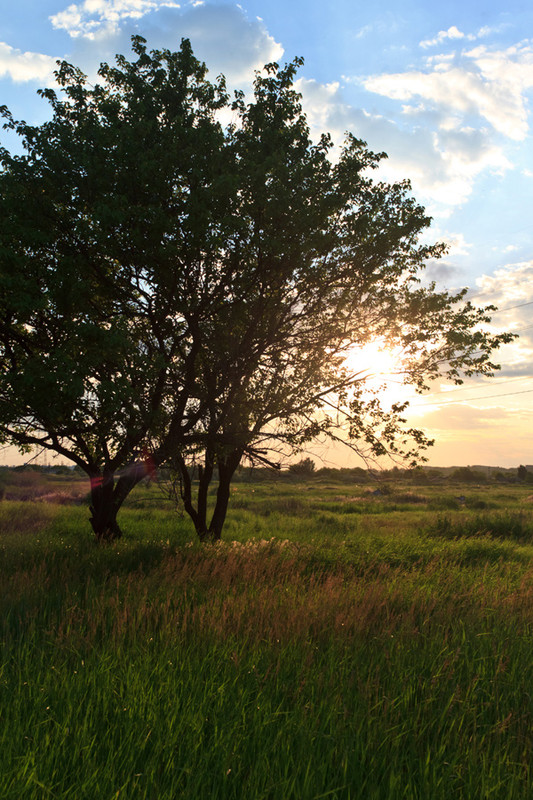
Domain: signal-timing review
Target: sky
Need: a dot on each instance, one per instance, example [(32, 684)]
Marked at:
[(444, 89)]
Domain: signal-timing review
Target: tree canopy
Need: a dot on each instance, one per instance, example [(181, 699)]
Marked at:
[(178, 289)]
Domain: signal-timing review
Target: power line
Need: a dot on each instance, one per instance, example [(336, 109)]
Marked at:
[(516, 363), (511, 308), (500, 310), (475, 297), (470, 399), (469, 388), (480, 352), (481, 294)]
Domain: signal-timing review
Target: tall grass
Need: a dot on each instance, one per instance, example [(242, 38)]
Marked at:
[(366, 660)]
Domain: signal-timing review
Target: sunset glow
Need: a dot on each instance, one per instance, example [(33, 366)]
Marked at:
[(381, 369)]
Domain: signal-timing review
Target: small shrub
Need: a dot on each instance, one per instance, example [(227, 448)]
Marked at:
[(477, 504), (444, 504), (383, 490), (408, 497), (61, 498)]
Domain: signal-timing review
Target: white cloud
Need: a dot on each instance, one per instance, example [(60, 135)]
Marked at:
[(364, 31), (478, 83), (442, 162), (212, 29), (510, 285), (89, 17), (454, 118), (451, 33), (457, 245), (322, 100), (221, 35), (27, 66), (454, 33), (510, 289)]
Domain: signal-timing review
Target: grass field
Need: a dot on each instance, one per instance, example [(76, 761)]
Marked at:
[(338, 644)]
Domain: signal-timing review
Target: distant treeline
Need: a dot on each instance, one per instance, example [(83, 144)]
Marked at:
[(420, 475), (54, 469), (306, 470)]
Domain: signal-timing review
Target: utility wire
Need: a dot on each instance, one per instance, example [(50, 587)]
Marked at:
[(469, 399), (387, 378), (505, 363), (479, 352), (511, 308), (500, 310), (469, 388), (519, 330)]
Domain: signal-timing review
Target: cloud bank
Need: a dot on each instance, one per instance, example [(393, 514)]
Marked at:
[(478, 83), (223, 36), (448, 122), (23, 67), (91, 17)]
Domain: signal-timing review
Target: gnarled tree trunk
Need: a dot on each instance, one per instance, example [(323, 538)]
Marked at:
[(107, 497)]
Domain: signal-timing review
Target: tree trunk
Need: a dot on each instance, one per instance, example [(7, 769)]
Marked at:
[(103, 509), (205, 475), (198, 514), (107, 498), (226, 470)]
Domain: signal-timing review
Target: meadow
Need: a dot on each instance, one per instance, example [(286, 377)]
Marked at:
[(339, 643)]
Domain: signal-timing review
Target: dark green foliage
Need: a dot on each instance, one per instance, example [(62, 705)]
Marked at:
[(468, 475), (113, 195), (304, 468)]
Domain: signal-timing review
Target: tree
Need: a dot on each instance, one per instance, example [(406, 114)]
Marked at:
[(305, 468), (522, 473), (102, 223), (467, 475), (173, 291)]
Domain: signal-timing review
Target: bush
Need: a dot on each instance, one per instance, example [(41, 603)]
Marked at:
[(467, 475), (304, 468)]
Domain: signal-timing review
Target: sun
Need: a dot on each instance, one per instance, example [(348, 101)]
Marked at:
[(380, 367)]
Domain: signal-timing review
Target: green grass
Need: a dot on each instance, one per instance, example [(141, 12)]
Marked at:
[(321, 651)]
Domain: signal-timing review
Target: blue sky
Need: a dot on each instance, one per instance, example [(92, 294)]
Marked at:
[(445, 89)]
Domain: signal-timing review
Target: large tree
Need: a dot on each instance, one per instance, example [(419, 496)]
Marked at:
[(186, 289), (104, 221)]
